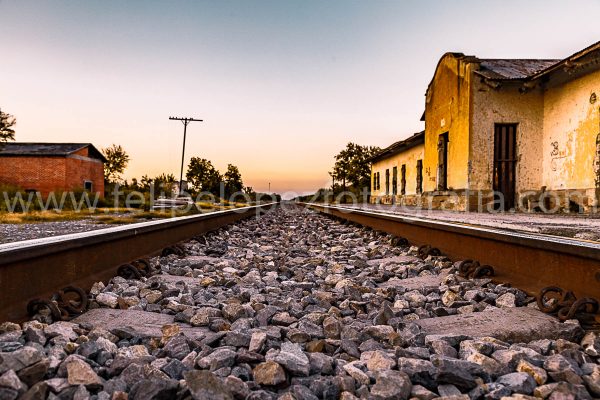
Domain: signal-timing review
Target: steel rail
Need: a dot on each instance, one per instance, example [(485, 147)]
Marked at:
[(528, 261), (38, 268)]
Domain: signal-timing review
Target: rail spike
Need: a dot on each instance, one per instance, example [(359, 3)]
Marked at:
[(135, 269), (426, 250), (63, 305), (564, 304), (473, 269), (174, 249), (398, 241)]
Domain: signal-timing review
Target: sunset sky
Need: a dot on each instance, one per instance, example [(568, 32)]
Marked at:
[(282, 85)]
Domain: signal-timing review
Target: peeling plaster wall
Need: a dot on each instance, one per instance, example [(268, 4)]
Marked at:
[(447, 110), (506, 105), (571, 133), (408, 157)]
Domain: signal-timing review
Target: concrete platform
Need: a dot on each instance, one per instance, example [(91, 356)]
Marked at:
[(513, 325), (418, 283), (584, 227), (189, 280), (396, 260), (141, 323)]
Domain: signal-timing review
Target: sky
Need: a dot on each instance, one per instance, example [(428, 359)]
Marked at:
[(282, 85)]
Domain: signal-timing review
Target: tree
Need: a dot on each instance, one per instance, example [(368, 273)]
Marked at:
[(7, 121), (352, 166), (164, 182), (116, 162), (146, 181), (360, 167), (134, 184), (202, 176), (233, 180)]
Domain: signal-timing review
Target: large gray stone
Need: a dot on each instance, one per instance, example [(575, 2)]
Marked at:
[(515, 325), (293, 359), (218, 359), (204, 385), (19, 359), (154, 389), (518, 382), (140, 323), (391, 384), (427, 282)]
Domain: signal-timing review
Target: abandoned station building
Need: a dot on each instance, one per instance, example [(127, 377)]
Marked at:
[(528, 129), (52, 167)]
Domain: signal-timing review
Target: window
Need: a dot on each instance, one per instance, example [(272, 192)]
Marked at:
[(419, 176), (374, 187), (378, 181), (87, 185), (442, 176), (387, 182), (403, 181), (395, 181)]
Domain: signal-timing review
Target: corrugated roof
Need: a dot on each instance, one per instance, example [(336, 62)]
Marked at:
[(47, 149), (590, 52), (398, 147), (512, 69)]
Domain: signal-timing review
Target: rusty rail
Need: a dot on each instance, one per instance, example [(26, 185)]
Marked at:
[(528, 261), (38, 268)]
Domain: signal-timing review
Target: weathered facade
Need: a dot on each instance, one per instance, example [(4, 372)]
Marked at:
[(516, 133), (397, 172), (52, 167)]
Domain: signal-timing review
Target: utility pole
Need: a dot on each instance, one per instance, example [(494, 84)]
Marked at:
[(185, 122)]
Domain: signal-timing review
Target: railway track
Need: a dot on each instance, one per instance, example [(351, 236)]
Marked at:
[(564, 268), (293, 305), (38, 269)]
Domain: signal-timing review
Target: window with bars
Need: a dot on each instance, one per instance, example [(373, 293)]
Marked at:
[(387, 181), (395, 181), (419, 176)]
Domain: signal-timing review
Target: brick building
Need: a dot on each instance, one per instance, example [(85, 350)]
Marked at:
[(48, 167)]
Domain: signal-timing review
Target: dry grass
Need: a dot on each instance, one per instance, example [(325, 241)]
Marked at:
[(109, 216), (42, 216), (136, 216), (114, 219)]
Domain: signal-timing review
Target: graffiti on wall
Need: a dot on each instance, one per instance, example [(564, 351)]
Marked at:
[(558, 157)]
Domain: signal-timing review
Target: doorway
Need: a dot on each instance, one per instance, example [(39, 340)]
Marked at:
[(505, 161), (442, 172)]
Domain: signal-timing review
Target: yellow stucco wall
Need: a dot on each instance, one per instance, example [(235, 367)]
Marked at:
[(408, 157), (506, 105), (447, 110), (558, 135), (571, 129)]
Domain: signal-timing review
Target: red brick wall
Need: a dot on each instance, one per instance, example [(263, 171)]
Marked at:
[(84, 170), (47, 174)]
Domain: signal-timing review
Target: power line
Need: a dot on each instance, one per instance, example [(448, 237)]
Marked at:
[(185, 122)]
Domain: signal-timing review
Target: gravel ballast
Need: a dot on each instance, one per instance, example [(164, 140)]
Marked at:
[(293, 305)]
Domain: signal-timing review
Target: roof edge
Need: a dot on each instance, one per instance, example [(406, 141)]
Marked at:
[(416, 139), (573, 57)]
